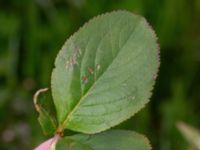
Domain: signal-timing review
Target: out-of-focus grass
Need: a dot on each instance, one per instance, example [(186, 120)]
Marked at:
[(33, 31)]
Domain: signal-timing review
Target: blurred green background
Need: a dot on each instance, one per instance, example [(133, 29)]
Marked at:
[(33, 31)]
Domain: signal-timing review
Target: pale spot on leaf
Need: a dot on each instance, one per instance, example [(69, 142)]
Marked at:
[(98, 67), (84, 79), (72, 61), (91, 71)]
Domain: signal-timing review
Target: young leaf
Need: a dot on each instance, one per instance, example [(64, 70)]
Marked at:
[(105, 72), (109, 140), (46, 121)]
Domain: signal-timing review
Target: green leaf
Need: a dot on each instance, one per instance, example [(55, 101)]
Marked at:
[(46, 121), (191, 134), (109, 140), (105, 72)]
